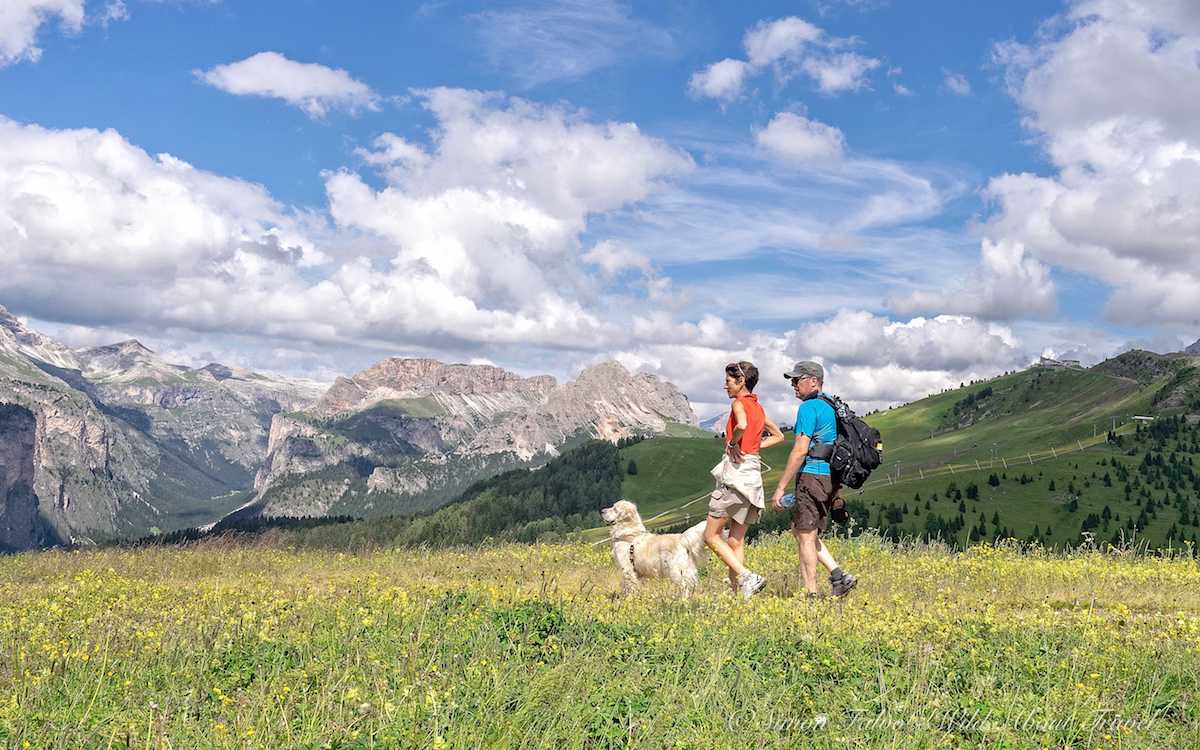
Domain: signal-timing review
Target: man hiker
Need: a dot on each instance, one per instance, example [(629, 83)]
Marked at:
[(816, 425), (737, 500)]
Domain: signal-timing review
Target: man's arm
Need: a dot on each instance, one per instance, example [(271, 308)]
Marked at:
[(733, 443), (794, 463)]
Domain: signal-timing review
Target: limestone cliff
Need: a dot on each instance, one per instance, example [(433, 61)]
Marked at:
[(407, 434)]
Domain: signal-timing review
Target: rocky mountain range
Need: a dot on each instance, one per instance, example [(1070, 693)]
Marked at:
[(1193, 348), (115, 442), (408, 434)]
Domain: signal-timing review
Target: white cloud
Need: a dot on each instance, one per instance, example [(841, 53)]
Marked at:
[(722, 80), (614, 257), (956, 82), (796, 138), (20, 21), (841, 72), (315, 89), (475, 243), (788, 46), (550, 40), (114, 10), (1009, 284), (901, 89), (770, 41), (870, 360), (1114, 95)]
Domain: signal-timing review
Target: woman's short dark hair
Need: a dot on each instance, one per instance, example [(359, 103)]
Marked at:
[(745, 370)]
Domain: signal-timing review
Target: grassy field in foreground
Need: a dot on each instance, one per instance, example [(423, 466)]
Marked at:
[(526, 646)]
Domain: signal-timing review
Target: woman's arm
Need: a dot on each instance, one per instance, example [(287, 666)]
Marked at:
[(774, 434), (733, 443)]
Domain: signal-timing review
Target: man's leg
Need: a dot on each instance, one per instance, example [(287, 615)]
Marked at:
[(806, 543), (712, 538), (826, 557)]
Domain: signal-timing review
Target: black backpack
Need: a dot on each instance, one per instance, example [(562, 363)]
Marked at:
[(857, 451)]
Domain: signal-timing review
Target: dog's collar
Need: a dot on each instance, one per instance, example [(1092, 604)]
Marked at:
[(631, 560)]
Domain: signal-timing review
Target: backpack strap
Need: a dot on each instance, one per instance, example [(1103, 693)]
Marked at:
[(824, 451)]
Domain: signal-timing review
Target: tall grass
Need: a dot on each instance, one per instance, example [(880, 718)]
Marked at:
[(226, 645)]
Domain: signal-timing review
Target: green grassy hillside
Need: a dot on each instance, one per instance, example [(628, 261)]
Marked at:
[(1033, 446)]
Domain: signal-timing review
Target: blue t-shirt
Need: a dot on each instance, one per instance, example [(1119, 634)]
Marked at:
[(816, 419)]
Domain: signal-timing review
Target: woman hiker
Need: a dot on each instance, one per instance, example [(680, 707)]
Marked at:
[(738, 500)]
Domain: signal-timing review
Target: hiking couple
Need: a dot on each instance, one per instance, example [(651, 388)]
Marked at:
[(738, 499)]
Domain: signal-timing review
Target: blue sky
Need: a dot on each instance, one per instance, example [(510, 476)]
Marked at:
[(546, 184)]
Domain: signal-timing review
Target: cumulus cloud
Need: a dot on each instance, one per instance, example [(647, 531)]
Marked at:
[(614, 257), (872, 361), (722, 80), (21, 20), (1113, 97), (770, 41), (473, 241), (842, 72), (796, 138), (789, 46), (1009, 284), (957, 83), (315, 89)]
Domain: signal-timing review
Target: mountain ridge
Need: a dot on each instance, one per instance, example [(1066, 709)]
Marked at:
[(126, 443), (408, 434)]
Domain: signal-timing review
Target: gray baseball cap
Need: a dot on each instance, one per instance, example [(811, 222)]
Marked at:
[(806, 369)]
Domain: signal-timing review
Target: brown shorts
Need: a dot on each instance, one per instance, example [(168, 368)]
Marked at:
[(814, 497)]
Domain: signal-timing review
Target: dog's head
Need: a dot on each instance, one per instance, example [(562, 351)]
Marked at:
[(621, 512)]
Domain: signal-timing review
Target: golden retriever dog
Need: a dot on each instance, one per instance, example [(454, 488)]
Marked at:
[(640, 554)]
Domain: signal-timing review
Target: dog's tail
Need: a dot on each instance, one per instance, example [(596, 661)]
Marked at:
[(693, 541)]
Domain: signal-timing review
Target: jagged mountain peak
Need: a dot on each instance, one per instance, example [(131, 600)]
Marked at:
[(132, 345), (15, 335), (217, 371), (125, 361), (406, 378), (404, 373), (9, 321), (1193, 349), (129, 347)]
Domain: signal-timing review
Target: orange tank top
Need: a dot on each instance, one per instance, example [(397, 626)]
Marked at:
[(755, 420)]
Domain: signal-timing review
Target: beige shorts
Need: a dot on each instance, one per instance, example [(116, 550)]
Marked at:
[(727, 503)]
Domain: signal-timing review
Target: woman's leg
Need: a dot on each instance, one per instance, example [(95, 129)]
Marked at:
[(737, 543), (712, 538)]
